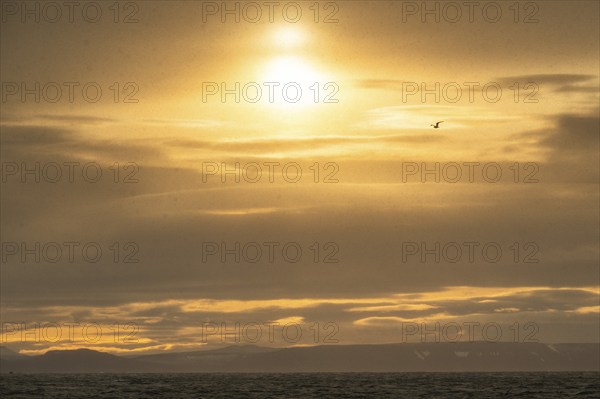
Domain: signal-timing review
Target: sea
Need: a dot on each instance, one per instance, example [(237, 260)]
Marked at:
[(303, 385)]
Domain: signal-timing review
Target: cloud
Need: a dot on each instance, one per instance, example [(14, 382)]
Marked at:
[(189, 123), (76, 119), (570, 147), (575, 136), (178, 324), (388, 84), (403, 117), (558, 83), (554, 79)]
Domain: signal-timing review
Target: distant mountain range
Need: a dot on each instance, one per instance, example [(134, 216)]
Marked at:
[(405, 357)]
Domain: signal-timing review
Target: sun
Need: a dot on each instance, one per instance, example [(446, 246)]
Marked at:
[(288, 69), (296, 79), (298, 82)]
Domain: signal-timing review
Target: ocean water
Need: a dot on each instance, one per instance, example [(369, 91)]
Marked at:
[(304, 385)]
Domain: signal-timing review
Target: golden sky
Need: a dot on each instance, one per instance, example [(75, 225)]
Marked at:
[(383, 72)]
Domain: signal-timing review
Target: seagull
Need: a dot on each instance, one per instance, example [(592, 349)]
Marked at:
[(437, 125)]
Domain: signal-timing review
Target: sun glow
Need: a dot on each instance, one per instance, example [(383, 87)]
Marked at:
[(288, 69), (296, 81), (287, 38)]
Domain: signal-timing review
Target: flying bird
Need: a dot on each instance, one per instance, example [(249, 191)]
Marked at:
[(437, 125)]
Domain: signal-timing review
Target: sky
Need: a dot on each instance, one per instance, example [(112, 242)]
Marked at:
[(160, 187)]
